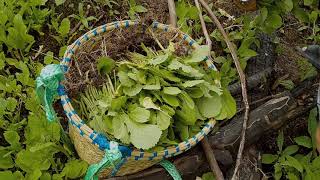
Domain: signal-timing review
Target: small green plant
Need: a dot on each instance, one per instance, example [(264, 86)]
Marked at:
[(135, 9), (62, 29), (82, 17), (289, 163)]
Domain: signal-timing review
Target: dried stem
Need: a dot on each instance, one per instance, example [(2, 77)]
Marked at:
[(242, 80), (172, 13), (205, 144)]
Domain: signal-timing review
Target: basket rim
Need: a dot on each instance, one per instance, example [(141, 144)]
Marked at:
[(99, 139)]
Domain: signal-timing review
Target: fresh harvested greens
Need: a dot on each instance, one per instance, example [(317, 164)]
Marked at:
[(157, 99)]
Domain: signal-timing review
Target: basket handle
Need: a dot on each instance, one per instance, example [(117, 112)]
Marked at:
[(46, 88)]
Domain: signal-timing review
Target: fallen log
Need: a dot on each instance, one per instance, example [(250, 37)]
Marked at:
[(270, 115)]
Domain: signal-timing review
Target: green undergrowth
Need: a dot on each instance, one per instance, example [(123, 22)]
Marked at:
[(297, 161)]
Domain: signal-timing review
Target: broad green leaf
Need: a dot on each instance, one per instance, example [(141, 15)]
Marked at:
[(159, 59), (144, 136), (139, 9), (195, 92), (118, 103), (133, 90), (186, 115), (292, 162), (35, 174), (183, 130), (269, 158), (210, 107), (277, 171), (292, 176), (7, 175), (287, 5), (290, 150), (163, 120), (105, 65), (74, 169), (59, 2), (39, 147), (316, 163), (304, 141), (120, 130), (171, 90), (125, 80), (280, 140), (64, 27), (228, 106), (308, 2), (208, 176), (13, 138), (139, 114), (199, 54), (192, 83), (171, 100), (186, 99), (11, 104), (148, 104), (6, 161)]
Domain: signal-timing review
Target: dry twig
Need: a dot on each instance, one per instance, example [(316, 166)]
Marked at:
[(205, 144), (242, 80), (172, 13)]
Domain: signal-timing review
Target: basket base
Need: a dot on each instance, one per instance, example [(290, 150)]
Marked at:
[(92, 154)]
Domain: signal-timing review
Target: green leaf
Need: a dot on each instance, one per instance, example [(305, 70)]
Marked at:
[(6, 161), (228, 106), (280, 140), (140, 9), (269, 158), (210, 107), (64, 27), (132, 91), (183, 130), (105, 65), (308, 2), (125, 80), (144, 136), (35, 174), (148, 104), (171, 100), (163, 120), (287, 5), (7, 175), (120, 130), (118, 103), (199, 54), (316, 163), (292, 176), (277, 171), (186, 99), (171, 90), (290, 150), (304, 141), (59, 2), (292, 162), (75, 169), (13, 138), (192, 83), (11, 104), (208, 176), (195, 92), (139, 114), (159, 59)]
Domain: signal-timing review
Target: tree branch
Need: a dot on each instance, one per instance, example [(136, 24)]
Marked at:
[(242, 80), (172, 13), (205, 144)]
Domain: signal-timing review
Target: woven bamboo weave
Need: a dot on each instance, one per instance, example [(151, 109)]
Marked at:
[(90, 144)]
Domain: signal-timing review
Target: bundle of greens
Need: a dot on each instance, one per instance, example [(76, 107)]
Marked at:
[(155, 99)]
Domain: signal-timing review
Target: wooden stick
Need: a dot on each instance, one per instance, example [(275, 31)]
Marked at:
[(205, 144), (211, 159), (242, 80), (172, 13)]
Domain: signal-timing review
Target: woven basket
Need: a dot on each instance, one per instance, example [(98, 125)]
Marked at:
[(90, 144)]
